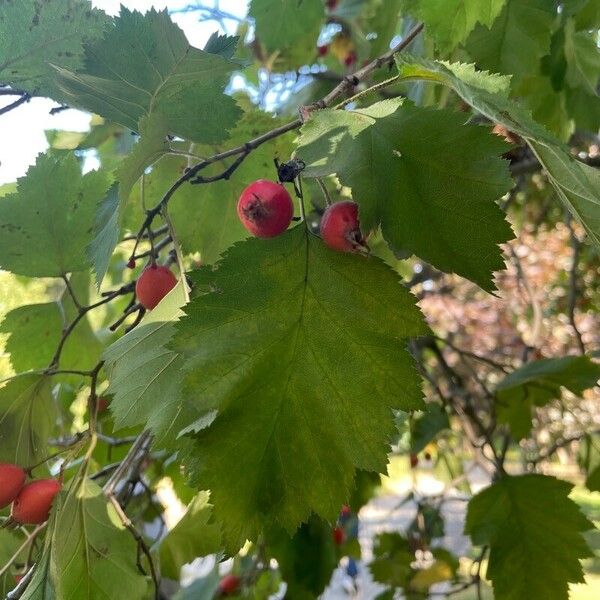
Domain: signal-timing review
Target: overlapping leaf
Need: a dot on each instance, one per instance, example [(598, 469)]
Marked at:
[(539, 382), (36, 35), (306, 560), (92, 555), (35, 331), (145, 376), (301, 352), (517, 40), (577, 185), (195, 535), (285, 23), (451, 21), (159, 75), (529, 521), (27, 417), (47, 223), (583, 59), (426, 177)]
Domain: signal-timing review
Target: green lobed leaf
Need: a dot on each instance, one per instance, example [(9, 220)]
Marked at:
[(92, 554), (306, 560), (583, 58), (270, 348), (144, 376), (194, 535), (539, 382), (548, 106), (426, 426), (107, 228), (577, 185), (145, 67), (52, 209), (450, 21), (392, 561), (9, 544), (529, 521), (517, 40), (35, 331), (36, 35), (27, 417), (283, 24), (429, 179), (41, 587), (152, 145)]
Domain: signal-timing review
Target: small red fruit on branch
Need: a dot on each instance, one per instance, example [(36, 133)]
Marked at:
[(339, 536), (265, 208), (340, 228), (12, 479), (229, 584), (350, 59), (131, 263), (102, 403), (32, 505), (153, 285)]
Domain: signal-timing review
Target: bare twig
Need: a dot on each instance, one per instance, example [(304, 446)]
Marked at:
[(573, 285), (24, 98)]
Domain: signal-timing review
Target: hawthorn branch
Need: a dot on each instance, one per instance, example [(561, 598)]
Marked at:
[(542, 456), (131, 464), (347, 84)]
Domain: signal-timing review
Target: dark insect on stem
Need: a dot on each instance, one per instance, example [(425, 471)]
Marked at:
[(288, 171)]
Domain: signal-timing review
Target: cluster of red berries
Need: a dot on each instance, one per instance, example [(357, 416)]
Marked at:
[(265, 209), (31, 502)]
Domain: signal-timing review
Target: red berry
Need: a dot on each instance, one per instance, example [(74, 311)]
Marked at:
[(414, 461), (350, 59), (322, 50), (229, 584), (102, 403), (131, 263), (12, 479), (32, 505), (265, 208), (153, 285), (339, 536), (340, 228)]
